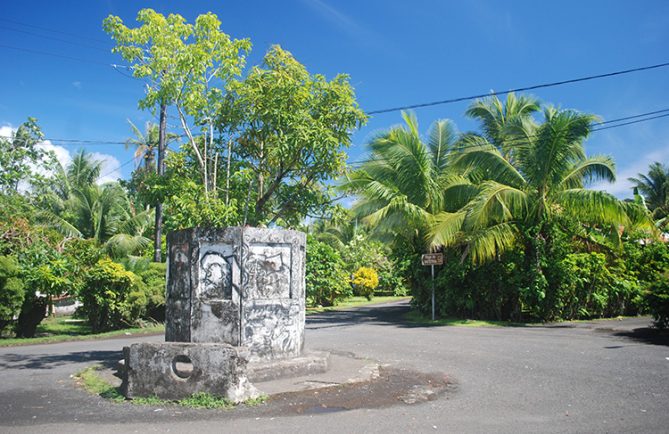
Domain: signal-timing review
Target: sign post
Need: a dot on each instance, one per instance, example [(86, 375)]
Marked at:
[(432, 259)]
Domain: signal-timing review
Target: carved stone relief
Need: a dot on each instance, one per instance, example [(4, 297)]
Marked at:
[(268, 268), (215, 273)]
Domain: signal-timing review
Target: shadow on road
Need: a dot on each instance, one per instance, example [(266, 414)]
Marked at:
[(646, 335), (50, 361), (383, 314), (392, 314)]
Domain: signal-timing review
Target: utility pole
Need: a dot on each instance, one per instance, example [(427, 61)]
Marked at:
[(157, 241)]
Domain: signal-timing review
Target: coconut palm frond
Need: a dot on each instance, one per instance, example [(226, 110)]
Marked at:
[(121, 245)]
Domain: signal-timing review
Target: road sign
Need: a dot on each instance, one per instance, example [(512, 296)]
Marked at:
[(432, 259)]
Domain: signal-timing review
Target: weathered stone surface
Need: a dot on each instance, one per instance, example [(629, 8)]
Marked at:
[(177, 370), (314, 362), (241, 286)]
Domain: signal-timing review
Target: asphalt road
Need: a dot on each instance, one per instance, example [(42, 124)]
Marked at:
[(602, 376)]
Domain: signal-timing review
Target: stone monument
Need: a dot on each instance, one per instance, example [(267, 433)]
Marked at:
[(240, 286), (234, 295)]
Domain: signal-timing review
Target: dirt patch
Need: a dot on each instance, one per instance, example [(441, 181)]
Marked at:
[(392, 387)]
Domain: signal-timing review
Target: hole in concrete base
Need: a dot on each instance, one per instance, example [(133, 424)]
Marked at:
[(182, 366)]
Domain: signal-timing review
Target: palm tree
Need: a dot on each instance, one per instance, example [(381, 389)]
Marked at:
[(496, 118), (145, 144), (401, 184), (533, 173), (79, 207), (654, 187)]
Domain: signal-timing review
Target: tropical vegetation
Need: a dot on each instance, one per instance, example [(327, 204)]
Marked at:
[(509, 205)]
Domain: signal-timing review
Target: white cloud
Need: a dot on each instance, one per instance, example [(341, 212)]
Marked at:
[(111, 167), (110, 170), (6, 131), (622, 187), (62, 155)]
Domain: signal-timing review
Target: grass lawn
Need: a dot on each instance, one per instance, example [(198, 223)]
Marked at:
[(66, 328), (417, 318), (355, 302)]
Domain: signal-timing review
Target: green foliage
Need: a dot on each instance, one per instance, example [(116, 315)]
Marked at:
[(487, 291), (326, 277), (205, 400), (20, 155), (11, 290), (364, 281), (154, 281), (516, 180), (589, 288), (393, 277), (93, 383), (647, 261), (112, 297), (657, 298), (654, 187), (402, 183), (293, 126), (564, 284)]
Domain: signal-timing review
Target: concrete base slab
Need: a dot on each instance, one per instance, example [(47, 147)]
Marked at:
[(342, 369), (173, 370), (313, 362)]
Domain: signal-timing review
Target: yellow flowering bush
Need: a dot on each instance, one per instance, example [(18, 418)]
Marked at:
[(364, 281)]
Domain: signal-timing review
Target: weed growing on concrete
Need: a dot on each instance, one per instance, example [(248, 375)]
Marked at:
[(92, 382)]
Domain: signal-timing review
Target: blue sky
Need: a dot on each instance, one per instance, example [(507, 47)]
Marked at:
[(396, 53)]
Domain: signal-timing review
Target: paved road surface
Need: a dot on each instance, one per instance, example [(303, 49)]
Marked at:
[(593, 377)]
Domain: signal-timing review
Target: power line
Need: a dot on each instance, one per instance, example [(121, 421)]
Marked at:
[(52, 38), (46, 53), (51, 30), (520, 89), (412, 106), (595, 129), (181, 136), (630, 123), (634, 116), (124, 164), (117, 168)]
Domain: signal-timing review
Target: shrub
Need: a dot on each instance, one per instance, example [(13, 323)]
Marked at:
[(592, 288), (647, 262), (11, 290), (112, 297), (326, 277), (45, 273), (657, 298), (154, 281), (364, 281), (363, 252)]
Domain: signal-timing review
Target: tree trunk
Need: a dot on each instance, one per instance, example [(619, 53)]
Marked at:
[(227, 174), (157, 241), (32, 313), (261, 177)]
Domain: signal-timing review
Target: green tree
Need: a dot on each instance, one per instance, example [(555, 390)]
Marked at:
[(497, 119), (325, 277), (293, 129), (112, 297), (401, 185), (181, 62), (79, 207), (509, 195), (20, 155), (145, 144), (654, 187), (11, 290)]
